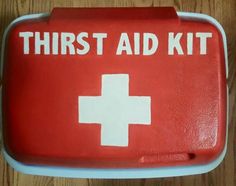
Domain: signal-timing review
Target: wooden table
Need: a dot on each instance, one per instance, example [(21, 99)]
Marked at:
[(222, 10)]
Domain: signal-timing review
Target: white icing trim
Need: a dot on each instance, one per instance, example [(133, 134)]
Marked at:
[(121, 173)]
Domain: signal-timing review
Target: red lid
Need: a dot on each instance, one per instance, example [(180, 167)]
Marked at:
[(105, 87)]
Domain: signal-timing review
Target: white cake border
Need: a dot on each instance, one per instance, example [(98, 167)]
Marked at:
[(129, 172)]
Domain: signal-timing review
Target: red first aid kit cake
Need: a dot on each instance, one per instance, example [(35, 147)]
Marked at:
[(114, 93)]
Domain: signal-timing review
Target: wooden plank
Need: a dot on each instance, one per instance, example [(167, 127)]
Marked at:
[(223, 11)]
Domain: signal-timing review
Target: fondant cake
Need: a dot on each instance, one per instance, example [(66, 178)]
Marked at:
[(114, 92)]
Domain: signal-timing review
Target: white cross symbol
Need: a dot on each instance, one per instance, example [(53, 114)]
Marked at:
[(115, 110)]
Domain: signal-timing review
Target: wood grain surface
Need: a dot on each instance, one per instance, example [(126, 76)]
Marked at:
[(223, 10)]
